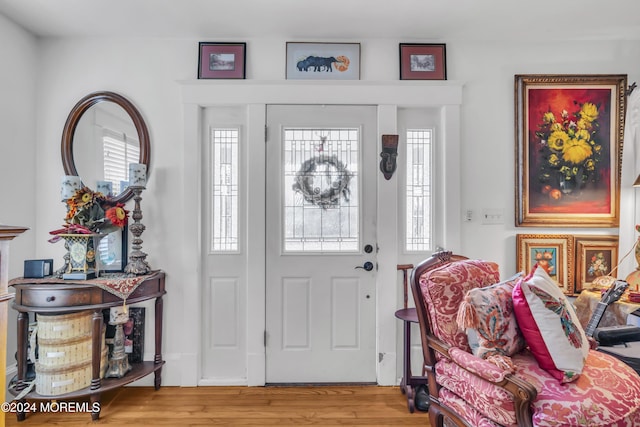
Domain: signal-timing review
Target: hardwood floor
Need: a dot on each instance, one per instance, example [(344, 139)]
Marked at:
[(242, 406)]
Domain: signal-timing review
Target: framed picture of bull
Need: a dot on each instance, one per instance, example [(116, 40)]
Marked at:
[(423, 61), (323, 61)]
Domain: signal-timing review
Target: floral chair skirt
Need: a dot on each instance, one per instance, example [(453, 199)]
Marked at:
[(606, 394)]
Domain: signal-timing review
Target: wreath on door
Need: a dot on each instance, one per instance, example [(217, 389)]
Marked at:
[(336, 174)]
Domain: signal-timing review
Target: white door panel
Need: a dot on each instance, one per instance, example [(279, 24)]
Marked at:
[(225, 257), (321, 204)]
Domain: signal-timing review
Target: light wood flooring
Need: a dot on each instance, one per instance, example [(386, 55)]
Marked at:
[(242, 406)]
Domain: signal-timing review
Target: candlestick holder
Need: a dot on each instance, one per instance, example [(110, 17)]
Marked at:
[(137, 259), (119, 360)]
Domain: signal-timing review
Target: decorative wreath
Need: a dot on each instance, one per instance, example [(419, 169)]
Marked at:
[(331, 196)]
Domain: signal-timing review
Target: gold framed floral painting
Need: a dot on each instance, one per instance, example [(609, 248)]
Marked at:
[(552, 252), (596, 256), (569, 132)]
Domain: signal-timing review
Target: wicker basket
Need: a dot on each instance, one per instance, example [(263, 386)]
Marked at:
[(57, 380), (52, 353), (64, 326), (65, 352)]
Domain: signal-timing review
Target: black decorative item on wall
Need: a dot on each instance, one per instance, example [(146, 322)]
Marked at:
[(389, 155)]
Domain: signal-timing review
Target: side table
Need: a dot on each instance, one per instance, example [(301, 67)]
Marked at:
[(56, 296), (408, 316), (409, 381)]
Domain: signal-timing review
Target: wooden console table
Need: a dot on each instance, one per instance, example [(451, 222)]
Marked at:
[(56, 296)]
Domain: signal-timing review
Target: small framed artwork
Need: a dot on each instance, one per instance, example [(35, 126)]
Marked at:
[(552, 252), (222, 60), (596, 256), (423, 61), (323, 61), (113, 251), (569, 132)]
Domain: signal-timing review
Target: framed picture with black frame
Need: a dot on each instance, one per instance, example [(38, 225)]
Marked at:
[(112, 251), (423, 61), (222, 60)]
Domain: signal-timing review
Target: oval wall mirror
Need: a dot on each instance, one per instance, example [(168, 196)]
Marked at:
[(102, 135)]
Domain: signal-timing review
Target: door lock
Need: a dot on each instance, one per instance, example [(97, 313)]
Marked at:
[(368, 266)]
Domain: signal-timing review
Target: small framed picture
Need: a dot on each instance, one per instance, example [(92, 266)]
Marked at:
[(323, 61), (113, 251), (222, 60), (423, 61), (552, 252), (596, 256)]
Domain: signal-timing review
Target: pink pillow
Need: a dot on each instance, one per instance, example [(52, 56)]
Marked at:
[(550, 326)]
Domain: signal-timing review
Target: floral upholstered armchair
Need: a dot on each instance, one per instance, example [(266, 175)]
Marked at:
[(505, 380)]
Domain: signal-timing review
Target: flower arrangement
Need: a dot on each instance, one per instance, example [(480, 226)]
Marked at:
[(91, 212), (598, 265), (570, 152)]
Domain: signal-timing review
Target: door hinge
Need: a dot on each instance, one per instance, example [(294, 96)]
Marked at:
[(265, 337), (265, 133)]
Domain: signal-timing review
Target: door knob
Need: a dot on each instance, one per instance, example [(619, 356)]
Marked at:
[(368, 266), (368, 249)]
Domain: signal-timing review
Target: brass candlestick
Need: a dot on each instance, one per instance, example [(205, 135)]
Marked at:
[(137, 264)]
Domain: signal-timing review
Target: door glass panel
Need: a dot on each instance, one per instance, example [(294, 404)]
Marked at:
[(224, 184), (418, 198), (321, 189)]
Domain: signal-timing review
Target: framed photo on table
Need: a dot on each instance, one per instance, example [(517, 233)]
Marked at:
[(423, 61), (553, 252), (222, 60), (112, 251), (323, 61), (569, 132), (596, 256)]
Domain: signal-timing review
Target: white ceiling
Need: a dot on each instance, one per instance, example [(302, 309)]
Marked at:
[(317, 20)]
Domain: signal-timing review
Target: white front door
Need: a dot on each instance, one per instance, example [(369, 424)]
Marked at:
[(321, 204)]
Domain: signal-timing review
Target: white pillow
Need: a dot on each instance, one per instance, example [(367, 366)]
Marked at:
[(550, 326)]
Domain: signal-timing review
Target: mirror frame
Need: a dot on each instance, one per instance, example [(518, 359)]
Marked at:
[(76, 113)]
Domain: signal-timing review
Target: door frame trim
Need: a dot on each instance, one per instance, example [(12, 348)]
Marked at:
[(255, 95)]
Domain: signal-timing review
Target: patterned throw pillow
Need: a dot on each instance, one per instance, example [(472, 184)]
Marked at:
[(487, 313), (550, 326)]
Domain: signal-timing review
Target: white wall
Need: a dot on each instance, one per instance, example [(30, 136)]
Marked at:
[(147, 71), (18, 173)]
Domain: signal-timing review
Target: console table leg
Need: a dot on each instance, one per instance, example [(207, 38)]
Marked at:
[(158, 338), (23, 338), (96, 354), (95, 398)]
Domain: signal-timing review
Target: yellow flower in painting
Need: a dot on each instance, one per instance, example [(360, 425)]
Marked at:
[(556, 127), (589, 112), (583, 124), (590, 165), (557, 140), (554, 160), (548, 117), (576, 151), (583, 134), (597, 148)]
